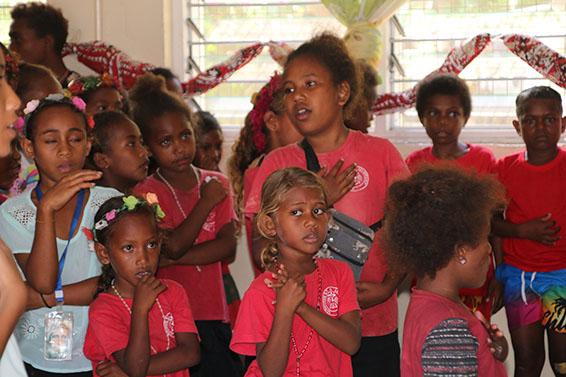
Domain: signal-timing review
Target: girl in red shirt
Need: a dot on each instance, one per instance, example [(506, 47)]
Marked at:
[(142, 323), (301, 317), (199, 218), (436, 227)]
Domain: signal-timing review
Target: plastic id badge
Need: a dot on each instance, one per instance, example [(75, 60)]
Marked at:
[(58, 342)]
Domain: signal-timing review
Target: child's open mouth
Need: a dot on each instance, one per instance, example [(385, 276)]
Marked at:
[(141, 274)]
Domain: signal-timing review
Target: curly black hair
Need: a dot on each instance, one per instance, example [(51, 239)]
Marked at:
[(44, 19), (104, 124), (330, 51), (150, 99), (536, 92), (446, 84), (431, 213)]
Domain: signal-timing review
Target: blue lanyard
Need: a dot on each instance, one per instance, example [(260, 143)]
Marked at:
[(74, 222)]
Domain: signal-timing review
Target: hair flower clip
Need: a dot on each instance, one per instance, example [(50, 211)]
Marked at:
[(90, 121), (19, 124), (79, 103), (100, 224), (110, 215), (130, 202), (31, 106), (151, 198)]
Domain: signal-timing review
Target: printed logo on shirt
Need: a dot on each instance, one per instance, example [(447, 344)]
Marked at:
[(210, 222), (330, 301), (361, 180), (169, 325)]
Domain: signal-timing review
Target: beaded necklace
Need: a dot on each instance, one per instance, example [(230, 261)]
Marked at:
[(170, 187), (166, 319), (298, 354)]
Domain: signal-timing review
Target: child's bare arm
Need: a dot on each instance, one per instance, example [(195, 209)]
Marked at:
[(78, 294), (184, 236), (134, 359), (542, 229), (343, 332), (13, 295), (273, 355), (185, 354), (371, 293), (42, 265), (220, 248)]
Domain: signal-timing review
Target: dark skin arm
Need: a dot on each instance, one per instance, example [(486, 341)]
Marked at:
[(182, 238), (542, 229), (273, 355), (78, 294), (185, 354), (371, 293), (57, 203), (220, 248)]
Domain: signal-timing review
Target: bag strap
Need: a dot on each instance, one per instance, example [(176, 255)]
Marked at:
[(314, 166), (312, 161)]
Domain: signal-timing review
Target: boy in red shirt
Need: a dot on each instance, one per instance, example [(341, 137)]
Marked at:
[(533, 271)]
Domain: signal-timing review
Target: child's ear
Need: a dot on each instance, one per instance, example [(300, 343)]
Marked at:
[(266, 226), (343, 93), (101, 160), (270, 120), (461, 251), (517, 126), (101, 253), (27, 147)]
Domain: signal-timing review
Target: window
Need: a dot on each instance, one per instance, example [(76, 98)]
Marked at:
[(217, 30), (424, 32), (5, 19)]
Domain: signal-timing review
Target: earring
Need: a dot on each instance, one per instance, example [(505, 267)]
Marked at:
[(462, 260)]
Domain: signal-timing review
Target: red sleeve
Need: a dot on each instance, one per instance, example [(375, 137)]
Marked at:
[(349, 299), (255, 318), (397, 169), (270, 164), (225, 209), (108, 326), (180, 307)]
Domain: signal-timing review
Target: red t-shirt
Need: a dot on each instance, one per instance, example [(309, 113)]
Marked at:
[(418, 327), (338, 296), (109, 324), (533, 191), (204, 284), (378, 165), (479, 158)]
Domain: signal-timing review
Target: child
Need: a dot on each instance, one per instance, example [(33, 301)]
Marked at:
[(40, 224), (118, 151), (172, 82), (307, 321), (12, 288), (534, 247), (436, 227), (209, 142), (319, 82), (99, 93), (266, 127), (38, 33), (143, 323), (200, 219), (444, 105), (361, 117), (36, 82)]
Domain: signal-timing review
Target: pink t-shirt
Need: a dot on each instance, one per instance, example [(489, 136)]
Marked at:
[(249, 177), (418, 327), (337, 297), (479, 158), (533, 191), (109, 324), (378, 165), (204, 284)]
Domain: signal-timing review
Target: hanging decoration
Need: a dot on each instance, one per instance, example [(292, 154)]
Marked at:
[(101, 58)]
